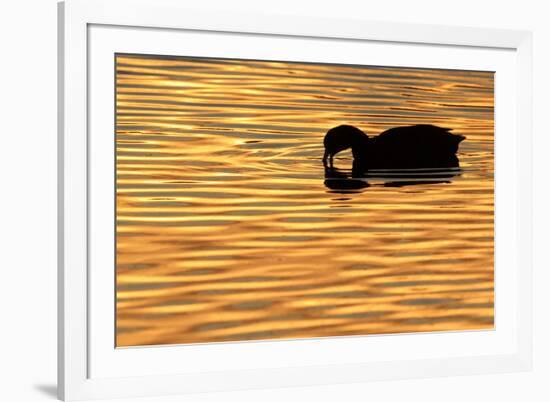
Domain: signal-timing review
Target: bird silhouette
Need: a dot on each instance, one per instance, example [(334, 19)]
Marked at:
[(422, 146)]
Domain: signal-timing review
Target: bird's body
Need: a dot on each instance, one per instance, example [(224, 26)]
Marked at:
[(408, 147)]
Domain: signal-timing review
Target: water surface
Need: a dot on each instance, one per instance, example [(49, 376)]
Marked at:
[(228, 230)]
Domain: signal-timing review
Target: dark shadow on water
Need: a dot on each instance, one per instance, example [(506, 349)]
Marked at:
[(347, 181), (343, 181), (49, 390)]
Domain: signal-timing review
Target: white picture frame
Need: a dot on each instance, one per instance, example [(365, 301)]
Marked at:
[(91, 31)]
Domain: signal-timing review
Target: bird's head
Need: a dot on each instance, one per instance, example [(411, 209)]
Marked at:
[(343, 137)]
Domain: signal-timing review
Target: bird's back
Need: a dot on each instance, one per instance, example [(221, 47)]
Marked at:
[(420, 133), (423, 138), (418, 146)]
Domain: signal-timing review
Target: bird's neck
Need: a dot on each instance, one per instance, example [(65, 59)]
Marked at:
[(360, 147)]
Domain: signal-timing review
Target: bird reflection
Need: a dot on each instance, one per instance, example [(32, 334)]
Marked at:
[(357, 179), (343, 181)]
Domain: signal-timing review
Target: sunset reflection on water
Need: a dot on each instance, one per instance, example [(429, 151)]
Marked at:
[(226, 230)]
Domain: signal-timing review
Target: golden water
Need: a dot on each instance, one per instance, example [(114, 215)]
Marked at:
[(226, 230)]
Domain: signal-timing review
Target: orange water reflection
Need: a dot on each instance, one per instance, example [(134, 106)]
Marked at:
[(226, 231)]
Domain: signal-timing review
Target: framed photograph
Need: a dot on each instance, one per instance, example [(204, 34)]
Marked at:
[(255, 201)]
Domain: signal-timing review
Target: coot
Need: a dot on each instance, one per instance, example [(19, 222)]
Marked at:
[(409, 147)]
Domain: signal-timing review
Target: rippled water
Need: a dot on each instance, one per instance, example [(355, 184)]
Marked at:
[(227, 228)]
